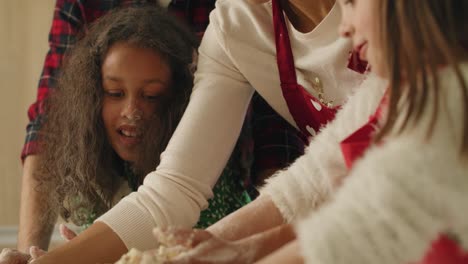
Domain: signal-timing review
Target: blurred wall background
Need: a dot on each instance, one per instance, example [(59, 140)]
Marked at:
[(24, 26)]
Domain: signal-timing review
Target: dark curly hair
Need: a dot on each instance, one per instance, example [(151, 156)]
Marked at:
[(79, 170)]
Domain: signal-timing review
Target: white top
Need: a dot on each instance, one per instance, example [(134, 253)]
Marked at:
[(395, 201), (236, 54), (164, 3)]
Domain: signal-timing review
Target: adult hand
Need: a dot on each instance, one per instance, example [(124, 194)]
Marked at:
[(13, 256), (188, 238), (204, 247)]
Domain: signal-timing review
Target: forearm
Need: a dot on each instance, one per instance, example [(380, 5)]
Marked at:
[(36, 221), (97, 244), (258, 216), (267, 242), (290, 254)]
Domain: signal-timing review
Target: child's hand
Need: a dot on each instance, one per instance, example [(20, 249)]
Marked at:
[(66, 232), (36, 252), (13, 256)]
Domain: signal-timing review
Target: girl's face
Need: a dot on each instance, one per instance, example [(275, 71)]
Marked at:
[(360, 23), (134, 81)]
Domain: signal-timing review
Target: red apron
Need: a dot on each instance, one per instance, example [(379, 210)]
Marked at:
[(308, 112)]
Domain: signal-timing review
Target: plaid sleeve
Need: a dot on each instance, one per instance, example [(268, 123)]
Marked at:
[(66, 22)]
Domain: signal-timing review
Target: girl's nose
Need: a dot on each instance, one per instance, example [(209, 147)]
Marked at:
[(345, 30), (132, 111)]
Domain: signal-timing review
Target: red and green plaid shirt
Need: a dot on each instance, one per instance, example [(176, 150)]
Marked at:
[(275, 143)]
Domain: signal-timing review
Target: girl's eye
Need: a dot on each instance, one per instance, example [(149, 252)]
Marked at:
[(348, 2), (116, 94), (152, 97)]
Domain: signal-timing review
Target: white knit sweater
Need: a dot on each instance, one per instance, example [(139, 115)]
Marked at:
[(398, 197)]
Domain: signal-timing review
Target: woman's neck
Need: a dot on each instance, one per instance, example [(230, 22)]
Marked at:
[(305, 15)]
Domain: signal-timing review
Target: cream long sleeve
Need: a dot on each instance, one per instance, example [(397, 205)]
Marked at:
[(236, 54)]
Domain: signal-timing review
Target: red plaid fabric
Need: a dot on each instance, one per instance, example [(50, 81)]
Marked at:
[(275, 144), (194, 13)]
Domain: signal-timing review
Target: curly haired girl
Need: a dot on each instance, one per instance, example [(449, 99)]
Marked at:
[(120, 97)]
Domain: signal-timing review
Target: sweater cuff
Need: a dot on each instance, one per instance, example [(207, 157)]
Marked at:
[(280, 188), (297, 190), (132, 226)]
